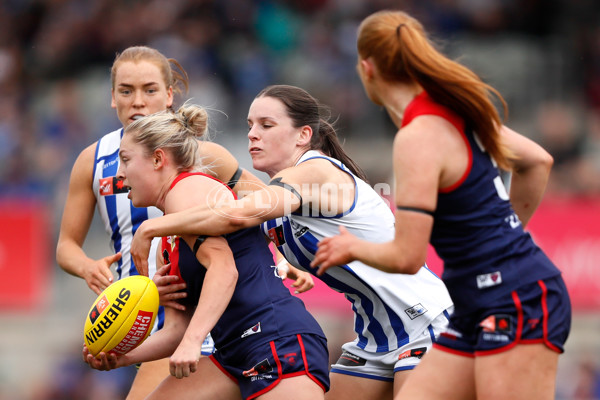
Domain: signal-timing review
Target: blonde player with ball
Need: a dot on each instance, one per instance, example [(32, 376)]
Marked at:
[(143, 82), (268, 345)]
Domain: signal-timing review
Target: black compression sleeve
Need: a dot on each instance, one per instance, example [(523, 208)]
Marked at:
[(278, 182)]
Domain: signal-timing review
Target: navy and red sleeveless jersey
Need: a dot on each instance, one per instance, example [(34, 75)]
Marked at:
[(261, 308), (476, 232)]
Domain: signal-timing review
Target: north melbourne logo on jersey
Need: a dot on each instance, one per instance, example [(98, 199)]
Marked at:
[(298, 229), (112, 185)]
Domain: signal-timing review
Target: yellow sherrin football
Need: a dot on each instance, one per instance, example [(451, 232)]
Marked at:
[(122, 316)]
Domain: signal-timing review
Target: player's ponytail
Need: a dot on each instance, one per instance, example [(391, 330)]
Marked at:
[(193, 119), (399, 47), (328, 142), (177, 132)]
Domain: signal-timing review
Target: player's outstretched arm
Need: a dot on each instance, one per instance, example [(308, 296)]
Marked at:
[(159, 345), (224, 216), (77, 217)]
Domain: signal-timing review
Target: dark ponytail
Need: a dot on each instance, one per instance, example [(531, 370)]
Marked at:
[(327, 141), (304, 109)]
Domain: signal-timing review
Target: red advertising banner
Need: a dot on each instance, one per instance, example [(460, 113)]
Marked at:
[(24, 254), (568, 230)]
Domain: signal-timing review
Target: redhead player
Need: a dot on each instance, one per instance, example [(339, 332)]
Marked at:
[(512, 310)]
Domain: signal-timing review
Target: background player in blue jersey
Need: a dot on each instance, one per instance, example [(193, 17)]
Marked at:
[(315, 188), (144, 81), (268, 343), (512, 310)]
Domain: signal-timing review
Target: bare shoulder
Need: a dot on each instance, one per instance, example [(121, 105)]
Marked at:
[(195, 190), (431, 148), (221, 163), (427, 136), (429, 129), (214, 152), (89, 153), (316, 170), (83, 168)]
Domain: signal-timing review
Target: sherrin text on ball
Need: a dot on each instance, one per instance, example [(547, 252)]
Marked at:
[(122, 316)]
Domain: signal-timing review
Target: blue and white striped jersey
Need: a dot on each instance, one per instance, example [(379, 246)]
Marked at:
[(119, 216), (389, 309)]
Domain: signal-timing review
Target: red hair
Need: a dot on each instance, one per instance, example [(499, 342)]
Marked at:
[(399, 47)]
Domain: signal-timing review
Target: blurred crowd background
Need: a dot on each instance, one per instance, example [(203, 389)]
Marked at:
[(55, 58)]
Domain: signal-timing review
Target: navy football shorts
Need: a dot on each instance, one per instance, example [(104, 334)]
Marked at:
[(261, 368), (539, 312)]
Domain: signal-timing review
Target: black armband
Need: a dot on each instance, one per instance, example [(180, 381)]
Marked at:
[(278, 182), (235, 178), (415, 209), (199, 240)]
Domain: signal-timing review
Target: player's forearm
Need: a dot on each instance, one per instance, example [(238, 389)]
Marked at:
[(385, 257), (160, 345), (217, 290), (527, 189), (201, 220), (71, 258), (194, 221)]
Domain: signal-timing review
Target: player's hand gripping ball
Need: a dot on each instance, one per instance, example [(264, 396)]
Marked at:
[(122, 316)]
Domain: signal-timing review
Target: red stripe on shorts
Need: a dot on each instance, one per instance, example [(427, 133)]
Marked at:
[(279, 373), (546, 315), (303, 351)]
